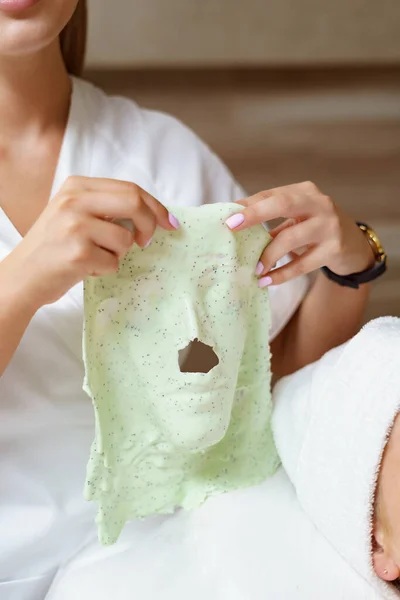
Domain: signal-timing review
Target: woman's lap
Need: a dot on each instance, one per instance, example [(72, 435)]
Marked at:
[(252, 544)]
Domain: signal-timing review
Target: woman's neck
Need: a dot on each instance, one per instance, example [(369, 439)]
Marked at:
[(34, 92)]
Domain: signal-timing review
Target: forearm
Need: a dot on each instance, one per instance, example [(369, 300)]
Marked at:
[(16, 313), (329, 315)]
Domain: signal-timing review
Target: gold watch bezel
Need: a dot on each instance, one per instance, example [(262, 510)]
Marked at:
[(374, 242)]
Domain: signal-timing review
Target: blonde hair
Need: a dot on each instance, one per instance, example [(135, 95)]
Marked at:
[(73, 40)]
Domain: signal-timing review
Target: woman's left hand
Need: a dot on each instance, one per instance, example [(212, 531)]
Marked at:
[(313, 224)]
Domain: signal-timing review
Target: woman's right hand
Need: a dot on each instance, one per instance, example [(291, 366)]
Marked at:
[(75, 237)]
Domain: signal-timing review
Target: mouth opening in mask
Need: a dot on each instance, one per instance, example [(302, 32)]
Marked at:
[(197, 357)]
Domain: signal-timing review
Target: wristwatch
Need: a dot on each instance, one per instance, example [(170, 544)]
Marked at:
[(356, 279)]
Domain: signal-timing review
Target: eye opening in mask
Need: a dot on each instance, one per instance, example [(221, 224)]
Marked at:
[(197, 357)]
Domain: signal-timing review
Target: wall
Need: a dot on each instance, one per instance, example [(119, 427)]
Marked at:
[(176, 33)]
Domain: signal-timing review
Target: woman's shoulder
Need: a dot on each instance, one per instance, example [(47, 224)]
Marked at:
[(124, 120), (170, 153)]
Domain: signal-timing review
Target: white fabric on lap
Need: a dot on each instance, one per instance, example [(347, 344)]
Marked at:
[(256, 544)]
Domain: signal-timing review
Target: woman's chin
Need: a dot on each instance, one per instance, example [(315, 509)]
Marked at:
[(30, 31), (24, 42)]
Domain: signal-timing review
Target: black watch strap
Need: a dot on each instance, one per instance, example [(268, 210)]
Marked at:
[(356, 279)]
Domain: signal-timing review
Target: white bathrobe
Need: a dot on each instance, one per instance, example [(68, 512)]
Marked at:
[(331, 423)]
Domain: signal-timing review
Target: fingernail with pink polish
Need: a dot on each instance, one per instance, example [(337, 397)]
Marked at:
[(148, 243), (265, 281), (173, 220), (234, 221), (259, 268)]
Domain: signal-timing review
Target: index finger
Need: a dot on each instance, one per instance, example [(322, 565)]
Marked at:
[(129, 190), (163, 217), (100, 184), (306, 187), (264, 195), (260, 208)]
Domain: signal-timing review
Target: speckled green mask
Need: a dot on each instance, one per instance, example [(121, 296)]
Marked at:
[(165, 438)]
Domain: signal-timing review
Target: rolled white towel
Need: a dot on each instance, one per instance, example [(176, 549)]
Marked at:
[(331, 424)]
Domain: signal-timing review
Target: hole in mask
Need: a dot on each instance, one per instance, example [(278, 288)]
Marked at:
[(197, 358)]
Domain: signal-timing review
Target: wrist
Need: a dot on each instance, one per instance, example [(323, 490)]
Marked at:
[(360, 259), (353, 274), (16, 293)]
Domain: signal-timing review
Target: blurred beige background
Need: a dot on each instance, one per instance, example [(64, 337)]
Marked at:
[(283, 90)]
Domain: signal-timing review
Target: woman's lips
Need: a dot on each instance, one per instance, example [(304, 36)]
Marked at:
[(15, 6)]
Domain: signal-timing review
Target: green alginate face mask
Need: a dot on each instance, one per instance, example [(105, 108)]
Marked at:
[(166, 438)]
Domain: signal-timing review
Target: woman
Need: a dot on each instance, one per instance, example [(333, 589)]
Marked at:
[(101, 160)]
